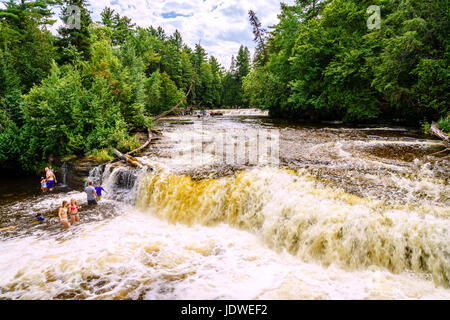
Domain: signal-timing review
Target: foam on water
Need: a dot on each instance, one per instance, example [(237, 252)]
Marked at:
[(292, 211), (137, 256)]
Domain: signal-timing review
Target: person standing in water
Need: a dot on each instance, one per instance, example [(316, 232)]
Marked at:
[(98, 190), (91, 194), (74, 216), (51, 179), (63, 212)]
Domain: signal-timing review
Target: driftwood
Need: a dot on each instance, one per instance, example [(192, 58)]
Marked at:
[(442, 135), (145, 145), (128, 159)]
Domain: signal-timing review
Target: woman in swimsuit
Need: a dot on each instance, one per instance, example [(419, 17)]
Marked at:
[(63, 211), (74, 216)]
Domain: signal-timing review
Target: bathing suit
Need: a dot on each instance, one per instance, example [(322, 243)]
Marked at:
[(50, 184), (65, 219), (44, 185), (74, 208)]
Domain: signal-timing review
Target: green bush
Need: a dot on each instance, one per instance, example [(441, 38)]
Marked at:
[(102, 156), (426, 127), (444, 124)]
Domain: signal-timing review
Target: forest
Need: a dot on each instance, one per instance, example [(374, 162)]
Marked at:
[(322, 62), (87, 90)]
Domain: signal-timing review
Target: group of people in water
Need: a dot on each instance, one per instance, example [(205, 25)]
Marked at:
[(69, 209), (65, 210), (94, 195), (48, 183)]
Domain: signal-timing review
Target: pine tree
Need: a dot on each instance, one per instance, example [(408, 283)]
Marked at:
[(242, 64), (261, 55)]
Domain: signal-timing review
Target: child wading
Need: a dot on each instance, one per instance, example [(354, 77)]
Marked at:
[(44, 185), (98, 190), (63, 211)]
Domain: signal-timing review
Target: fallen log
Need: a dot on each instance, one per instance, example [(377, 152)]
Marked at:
[(145, 145), (128, 159), (440, 134)]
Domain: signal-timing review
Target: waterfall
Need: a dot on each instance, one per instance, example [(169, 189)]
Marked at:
[(95, 175), (120, 181), (292, 211), (64, 172)]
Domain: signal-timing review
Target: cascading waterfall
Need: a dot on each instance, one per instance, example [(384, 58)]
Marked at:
[(95, 175), (293, 211), (120, 181), (64, 172)]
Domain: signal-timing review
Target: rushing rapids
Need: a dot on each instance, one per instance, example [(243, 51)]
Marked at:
[(292, 211), (346, 213)]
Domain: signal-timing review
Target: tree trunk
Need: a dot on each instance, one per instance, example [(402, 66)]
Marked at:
[(440, 134), (128, 159)]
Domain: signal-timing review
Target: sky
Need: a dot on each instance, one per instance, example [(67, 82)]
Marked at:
[(220, 25)]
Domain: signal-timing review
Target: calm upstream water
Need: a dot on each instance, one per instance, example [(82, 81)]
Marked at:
[(347, 213)]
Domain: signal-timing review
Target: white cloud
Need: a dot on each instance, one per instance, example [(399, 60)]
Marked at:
[(221, 25)]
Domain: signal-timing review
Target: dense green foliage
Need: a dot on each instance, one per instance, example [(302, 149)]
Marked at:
[(325, 64), (89, 89)]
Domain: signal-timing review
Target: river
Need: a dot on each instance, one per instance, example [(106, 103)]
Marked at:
[(328, 212)]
